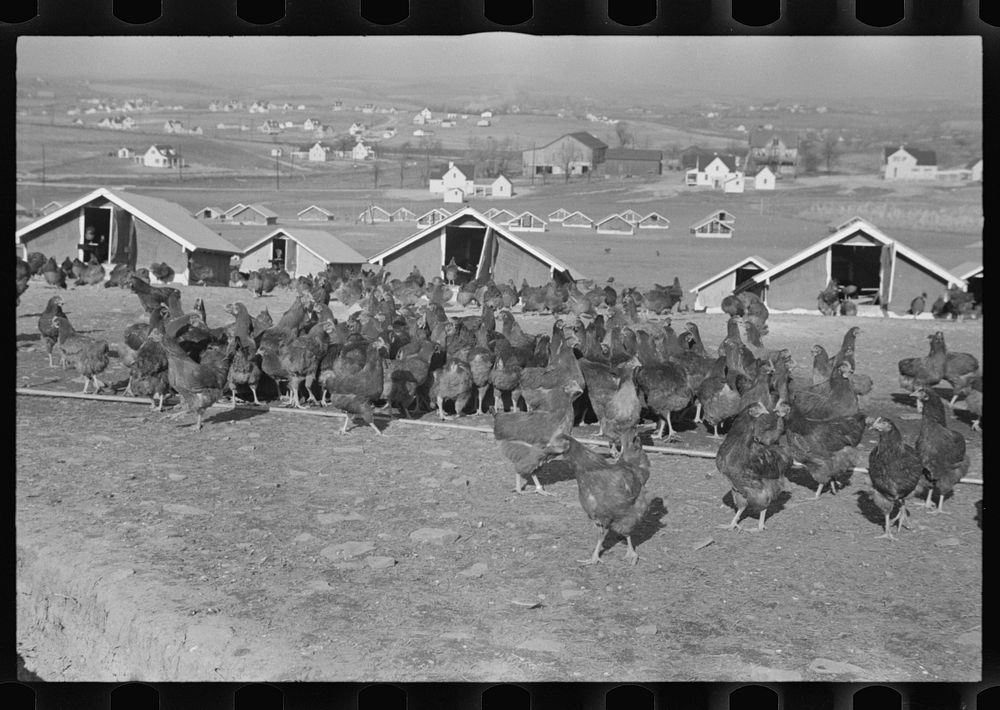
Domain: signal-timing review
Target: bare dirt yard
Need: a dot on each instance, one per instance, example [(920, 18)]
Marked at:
[(269, 546)]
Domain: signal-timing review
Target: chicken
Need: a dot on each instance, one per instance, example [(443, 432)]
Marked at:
[(244, 368), (151, 297), (22, 275), (846, 352), (822, 365), (752, 461), (149, 374), (828, 300), (89, 356), (924, 371), (53, 275), (718, 396), (895, 470), (162, 271), (300, 359), (135, 337), (505, 376), (199, 383), (36, 262), (974, 401), (562, 368), (827, 400), (601, 381), (733, 306), (959, 368), (613, 494), (918, 304), (665, 389), (92, 274), (529, 440), (452, 383), (481, 361), (756, 311), (48, 328), (271, 341), (352, 389), (941, 450), (624, 408), (826, 447)]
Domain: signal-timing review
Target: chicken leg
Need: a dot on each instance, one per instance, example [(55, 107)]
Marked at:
[(734, 523), (716, 435), (631, 556), (127, 392), (697, 412), (929, 503), (596, 557), (888, 530), (672, 436)]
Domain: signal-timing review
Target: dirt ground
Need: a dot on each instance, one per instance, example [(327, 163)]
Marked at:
[(269, 547)]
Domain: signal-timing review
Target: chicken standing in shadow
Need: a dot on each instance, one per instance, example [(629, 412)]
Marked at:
[(199, 383), (612, 493), (753, 462), (895, 470), (941, 450), (529, 440)]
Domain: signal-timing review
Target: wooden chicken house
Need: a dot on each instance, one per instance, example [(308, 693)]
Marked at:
[(885, 271), (137, 231), (484, 248), (301, 252)]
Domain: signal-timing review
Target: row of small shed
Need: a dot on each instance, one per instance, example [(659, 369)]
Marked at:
[(141, 230)]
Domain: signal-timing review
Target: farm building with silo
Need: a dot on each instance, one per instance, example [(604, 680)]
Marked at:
[(574, 153), (139, 231), (301, 252), (483, 247), (885, 271)]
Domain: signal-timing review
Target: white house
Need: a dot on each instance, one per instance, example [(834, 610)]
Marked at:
[(455, 175), (421, 132), (171, 126), (276, 152), (904, 163), (126, 152), (356, 129), (712, 174), (318, 151), (454, 195), (764, 179), (360, 151), (486, 114), (160, 156), (734, 182), (975, 168), (483, 122), (501, 186), (311, 124)]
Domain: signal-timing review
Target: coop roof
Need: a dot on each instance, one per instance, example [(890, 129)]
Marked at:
[(167, 217), (501, 231), (317, 208), (757, 261), (869, 229), (323, 245), (968, 269)]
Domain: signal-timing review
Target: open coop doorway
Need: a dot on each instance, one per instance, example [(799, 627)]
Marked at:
[(858, 266), (465, 246)]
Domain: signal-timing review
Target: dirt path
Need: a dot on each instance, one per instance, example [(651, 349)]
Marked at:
[(271, 547)]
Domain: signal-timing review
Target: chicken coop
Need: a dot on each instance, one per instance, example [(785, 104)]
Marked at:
[(301, 252), (479, 245), (710, 292), (972, 273), (884, 271), (137, 231)]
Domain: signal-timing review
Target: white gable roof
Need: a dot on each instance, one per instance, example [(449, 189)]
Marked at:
[(502, 231), (762, 264), (844, 233), (322, 245)]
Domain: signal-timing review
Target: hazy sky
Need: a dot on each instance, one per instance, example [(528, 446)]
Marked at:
[(941, 67)]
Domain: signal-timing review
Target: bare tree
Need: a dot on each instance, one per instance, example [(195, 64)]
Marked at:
[(568, 154), (625, 136), (830, 150), (375, 172)]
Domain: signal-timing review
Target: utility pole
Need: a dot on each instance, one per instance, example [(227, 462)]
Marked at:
[(277, 172), (43, 163)]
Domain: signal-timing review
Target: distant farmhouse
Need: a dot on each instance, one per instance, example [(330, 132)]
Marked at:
[(904, 163), (574, 153), (779, 151), (709, 170), (160, 156), (454, 176)]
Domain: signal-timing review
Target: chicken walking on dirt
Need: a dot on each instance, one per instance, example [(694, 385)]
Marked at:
[(529, 440), (199, 383), (612, 493), (752, 461), (895, 470), (88, 356), (941, 450)]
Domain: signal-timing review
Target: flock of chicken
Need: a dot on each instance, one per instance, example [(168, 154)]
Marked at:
[(400, 350)]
